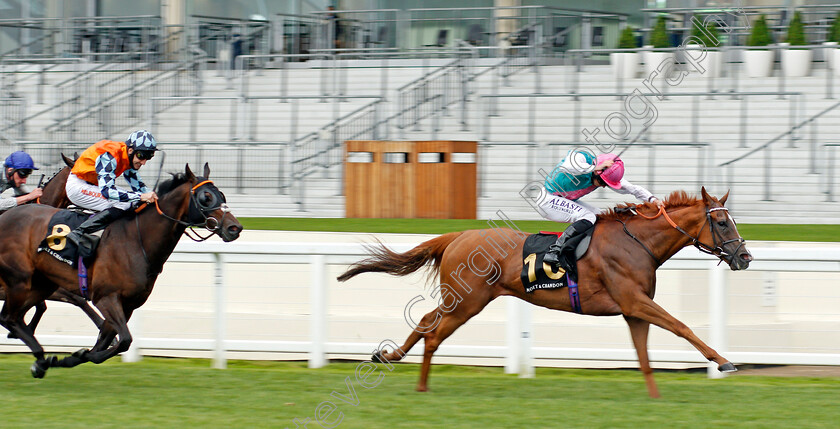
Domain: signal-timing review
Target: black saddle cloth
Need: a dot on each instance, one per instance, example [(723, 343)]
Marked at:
[(537, 274), (56, 243)]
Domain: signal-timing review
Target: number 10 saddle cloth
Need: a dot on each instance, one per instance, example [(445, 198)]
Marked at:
[(537, 274)]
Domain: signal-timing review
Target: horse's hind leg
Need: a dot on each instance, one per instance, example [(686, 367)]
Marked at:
[(471, 305), (13, 321), (639, 332), (40, 308)]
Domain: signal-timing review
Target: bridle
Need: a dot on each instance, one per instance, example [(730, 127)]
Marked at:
[(208, 222), (718, 242)]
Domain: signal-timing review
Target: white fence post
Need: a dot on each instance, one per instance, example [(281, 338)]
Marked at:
[(717, 314), (219, 359), (318, 306), (526, 342), (519, 339), (512, 335)]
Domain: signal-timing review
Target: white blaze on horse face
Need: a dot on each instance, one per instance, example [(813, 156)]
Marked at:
[(224, 208)]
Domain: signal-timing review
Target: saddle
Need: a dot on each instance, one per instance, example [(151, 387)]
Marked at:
[(56, 243), (537, 274)]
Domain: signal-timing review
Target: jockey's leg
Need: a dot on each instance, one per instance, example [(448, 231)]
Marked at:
[(87, 195), (83, 236), (581, 216)]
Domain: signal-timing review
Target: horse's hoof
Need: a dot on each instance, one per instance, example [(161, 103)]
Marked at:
[(376, 357), (39, 368), (727, 367), (11, 335)]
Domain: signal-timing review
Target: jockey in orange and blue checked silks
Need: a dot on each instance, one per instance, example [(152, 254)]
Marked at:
[(92, 183)]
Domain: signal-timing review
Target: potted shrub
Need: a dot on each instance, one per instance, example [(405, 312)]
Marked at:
[(796, 62), (712, 63), (625, 64), (832, 56), (659, 39), (759, 62)]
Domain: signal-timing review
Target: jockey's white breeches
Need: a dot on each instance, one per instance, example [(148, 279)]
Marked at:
[(559, 209), (84, 194)]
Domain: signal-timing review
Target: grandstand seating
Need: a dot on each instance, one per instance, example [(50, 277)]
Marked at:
[(510, 156)]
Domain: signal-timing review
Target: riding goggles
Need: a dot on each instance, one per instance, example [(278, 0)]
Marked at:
[(23, 173), (145, 155)]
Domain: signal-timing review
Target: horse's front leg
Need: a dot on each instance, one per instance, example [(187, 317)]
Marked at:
[(116, 323), (642, 307)]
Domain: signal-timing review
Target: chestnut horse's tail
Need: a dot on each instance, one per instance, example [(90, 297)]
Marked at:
[(385, 260)]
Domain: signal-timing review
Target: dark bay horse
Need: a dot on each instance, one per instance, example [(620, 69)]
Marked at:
[(617, 275), (55, 195), (131, 255)]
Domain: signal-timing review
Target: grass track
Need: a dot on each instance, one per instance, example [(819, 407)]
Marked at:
[(187, 393), (762, 232)]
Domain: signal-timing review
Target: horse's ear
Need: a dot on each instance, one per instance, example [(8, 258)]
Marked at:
[(706, 197), (723, 200), (206, 170), (189, 173), (69, 162)]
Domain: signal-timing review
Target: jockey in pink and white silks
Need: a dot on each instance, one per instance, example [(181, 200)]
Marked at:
[(578, 174)]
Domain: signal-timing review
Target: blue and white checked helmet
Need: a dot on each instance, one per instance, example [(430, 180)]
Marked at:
[(141, 140)]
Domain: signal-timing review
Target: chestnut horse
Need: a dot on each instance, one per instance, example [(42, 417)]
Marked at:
[(55, 195), (131, 255), (617, 275)]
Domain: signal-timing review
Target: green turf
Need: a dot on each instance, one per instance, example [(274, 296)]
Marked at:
[(159, 393), (761, 232)]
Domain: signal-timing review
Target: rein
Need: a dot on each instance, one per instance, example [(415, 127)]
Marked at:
[(213, 226), (717, 250)]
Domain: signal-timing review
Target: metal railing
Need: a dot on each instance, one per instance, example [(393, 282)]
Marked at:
[(765, 149), (490, 101), (830, 167), (433, 92), (727, 83), (85, 36), (93, 112), (12, 114)]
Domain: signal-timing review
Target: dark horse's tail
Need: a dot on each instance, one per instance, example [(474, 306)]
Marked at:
[(385, 260)]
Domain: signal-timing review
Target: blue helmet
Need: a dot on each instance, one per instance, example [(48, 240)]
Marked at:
[(20, 160), (141, 140)]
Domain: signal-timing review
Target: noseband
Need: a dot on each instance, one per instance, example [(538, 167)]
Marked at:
[(208, 222), (718, 243)]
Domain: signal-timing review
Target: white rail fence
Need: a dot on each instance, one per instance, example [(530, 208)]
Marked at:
[(268, 300)]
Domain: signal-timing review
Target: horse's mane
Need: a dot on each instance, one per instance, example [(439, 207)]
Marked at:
[(166, 186), (53, 177), (675, 200)]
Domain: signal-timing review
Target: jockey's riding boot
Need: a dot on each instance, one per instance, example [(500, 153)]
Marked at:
[(560, 247), (83, 235)]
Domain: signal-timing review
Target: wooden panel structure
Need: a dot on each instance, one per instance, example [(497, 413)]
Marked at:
[(411, 179)]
